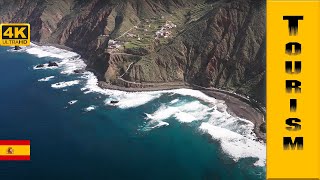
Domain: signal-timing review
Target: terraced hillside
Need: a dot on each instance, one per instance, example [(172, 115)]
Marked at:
[(131, 43)]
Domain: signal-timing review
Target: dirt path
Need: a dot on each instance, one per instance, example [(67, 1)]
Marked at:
[(126, 32), (126, 70)]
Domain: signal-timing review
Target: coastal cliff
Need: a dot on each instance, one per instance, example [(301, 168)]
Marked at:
[(130, 43)]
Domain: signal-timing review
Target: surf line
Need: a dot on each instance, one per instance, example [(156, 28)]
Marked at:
[(293, 49)]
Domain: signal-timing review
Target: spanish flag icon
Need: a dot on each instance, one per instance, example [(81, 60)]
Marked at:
[(14, 150)]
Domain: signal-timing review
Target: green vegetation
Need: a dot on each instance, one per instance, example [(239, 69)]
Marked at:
[(142, 32)]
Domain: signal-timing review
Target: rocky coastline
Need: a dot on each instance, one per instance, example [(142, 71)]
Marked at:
[(217, 46), (238, 105)]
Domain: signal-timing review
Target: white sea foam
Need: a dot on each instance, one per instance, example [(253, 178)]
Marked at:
[(174, 101), (187, 112), (158, 125), (22, 49), (135, 99), (235, 124), (68, 61), (72, 102), (48, 51), (126, 99), (131, 100), (69, 65), (60, 85), (235, 134), (46, 78), (90, 108), (45, 66), (236, 145)]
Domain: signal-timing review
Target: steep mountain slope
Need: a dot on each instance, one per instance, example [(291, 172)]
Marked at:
[(211, 43)]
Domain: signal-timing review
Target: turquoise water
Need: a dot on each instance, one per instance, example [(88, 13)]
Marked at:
[(68, 142)]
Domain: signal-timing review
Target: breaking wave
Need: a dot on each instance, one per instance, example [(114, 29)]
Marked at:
[(236, 145), (90, 108), (46, 79), (60, 85), (72, 102), (233, 133)]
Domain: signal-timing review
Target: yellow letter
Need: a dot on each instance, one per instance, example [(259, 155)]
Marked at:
[(19, 31), (8, 32)]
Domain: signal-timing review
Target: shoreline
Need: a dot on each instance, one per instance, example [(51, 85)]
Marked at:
[(54, 45), (237, 105)]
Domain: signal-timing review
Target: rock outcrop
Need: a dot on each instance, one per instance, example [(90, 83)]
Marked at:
[(40, 66), (16, 48), (52, 63)]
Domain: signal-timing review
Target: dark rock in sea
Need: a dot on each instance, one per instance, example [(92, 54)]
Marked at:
[(51, 63), (263, 127), (40, 66), (17, 48), (114, 102), (79, 71)]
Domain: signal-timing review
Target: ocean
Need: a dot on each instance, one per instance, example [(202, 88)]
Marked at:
[(76, 133)]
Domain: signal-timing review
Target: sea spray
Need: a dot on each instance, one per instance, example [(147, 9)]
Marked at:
[(234, 134), (46, 79)]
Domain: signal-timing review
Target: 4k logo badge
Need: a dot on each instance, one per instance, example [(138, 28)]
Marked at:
[(15, 34)]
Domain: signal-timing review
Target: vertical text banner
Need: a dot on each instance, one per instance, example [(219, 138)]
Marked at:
[(293, 89)]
